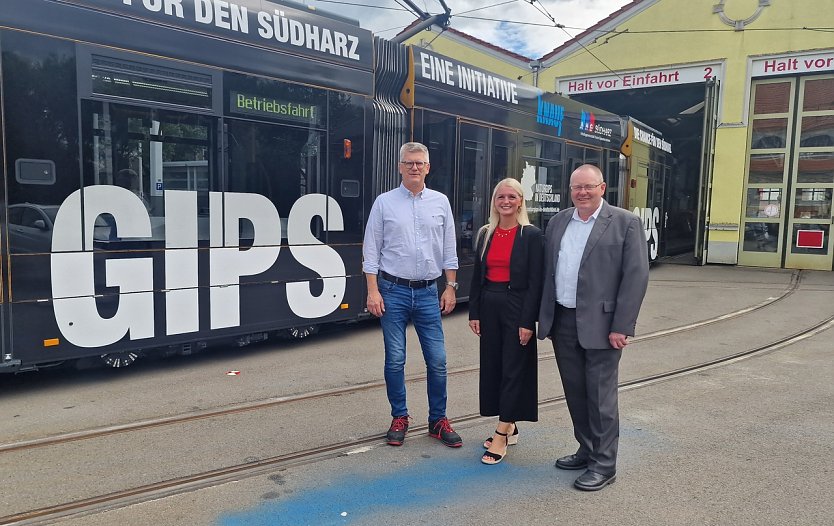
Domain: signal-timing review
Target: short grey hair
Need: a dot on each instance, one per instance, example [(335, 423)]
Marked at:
[(589, 168), (413, 147)]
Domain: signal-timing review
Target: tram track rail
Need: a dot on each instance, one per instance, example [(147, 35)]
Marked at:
[(89, 434), (185, 484)]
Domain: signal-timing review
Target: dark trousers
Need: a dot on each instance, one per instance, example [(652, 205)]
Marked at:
[(509, 370), (589, 377)]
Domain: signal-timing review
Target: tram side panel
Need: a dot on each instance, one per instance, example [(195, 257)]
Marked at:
[(646, 158), (179, 226)]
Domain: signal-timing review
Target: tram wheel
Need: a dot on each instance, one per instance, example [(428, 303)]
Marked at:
[(119, 359), (301, 332)]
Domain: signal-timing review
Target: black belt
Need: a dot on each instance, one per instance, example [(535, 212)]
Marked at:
[(410, 283), (496, 285)]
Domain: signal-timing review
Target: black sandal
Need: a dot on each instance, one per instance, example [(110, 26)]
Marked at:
[(489, 458), (511, 440)]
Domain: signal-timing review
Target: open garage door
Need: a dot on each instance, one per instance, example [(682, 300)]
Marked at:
[(707, 162), (686, 115)]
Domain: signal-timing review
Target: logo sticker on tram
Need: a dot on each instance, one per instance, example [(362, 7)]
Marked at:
[(589, 127), (550, 114)]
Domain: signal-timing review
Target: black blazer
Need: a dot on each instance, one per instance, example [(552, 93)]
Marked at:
[(526, 268)]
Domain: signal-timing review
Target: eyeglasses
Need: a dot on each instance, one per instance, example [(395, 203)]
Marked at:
[(411, 164), (586, 187)]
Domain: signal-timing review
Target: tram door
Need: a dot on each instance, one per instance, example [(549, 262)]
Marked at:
[(485, 156), (471, 196)]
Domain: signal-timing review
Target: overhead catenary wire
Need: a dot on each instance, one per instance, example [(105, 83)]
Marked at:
[(543, 11), (354, 4)]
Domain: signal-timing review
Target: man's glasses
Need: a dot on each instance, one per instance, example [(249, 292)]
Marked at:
[(586, 187), (411, 164)]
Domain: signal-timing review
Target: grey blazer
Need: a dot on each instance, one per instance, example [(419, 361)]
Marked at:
[(613, 276)]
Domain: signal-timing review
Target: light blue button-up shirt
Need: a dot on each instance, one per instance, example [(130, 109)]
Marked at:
[(410, 236), (570, 256)]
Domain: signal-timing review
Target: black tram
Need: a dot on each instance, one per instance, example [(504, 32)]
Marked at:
[(182, 171)]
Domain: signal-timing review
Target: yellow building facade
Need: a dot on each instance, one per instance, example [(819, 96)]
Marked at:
[(744, 91)]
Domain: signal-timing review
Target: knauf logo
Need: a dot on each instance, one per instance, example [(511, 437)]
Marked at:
[(550, 114)]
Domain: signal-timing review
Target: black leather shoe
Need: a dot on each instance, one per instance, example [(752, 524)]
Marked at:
[(590, 481), (572, 462)]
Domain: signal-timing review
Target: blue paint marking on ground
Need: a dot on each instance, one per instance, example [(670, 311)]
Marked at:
[(428, 483)]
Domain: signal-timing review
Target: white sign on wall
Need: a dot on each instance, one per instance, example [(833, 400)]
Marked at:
[(639, 79), (805, 63)]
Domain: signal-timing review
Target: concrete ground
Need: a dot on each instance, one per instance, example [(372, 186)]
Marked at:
[(747, 443)]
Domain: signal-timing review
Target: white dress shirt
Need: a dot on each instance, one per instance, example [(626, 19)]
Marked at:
[(571, 249)]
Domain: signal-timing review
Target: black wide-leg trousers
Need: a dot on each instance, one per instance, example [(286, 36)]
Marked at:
[(509, 370)]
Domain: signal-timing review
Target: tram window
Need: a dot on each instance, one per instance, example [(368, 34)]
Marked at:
[(543, 179), (612, 179), (473, 166), (148, 151), (281, 163), (439, 136), (504, 162), (40, 126), (134, 80), (593, 157), (263, 99)]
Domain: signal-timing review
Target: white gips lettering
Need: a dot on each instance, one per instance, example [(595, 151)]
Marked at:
[(232, 217), (316, 256), (73, 280), (182, 295), (651, 221), (229, 262)]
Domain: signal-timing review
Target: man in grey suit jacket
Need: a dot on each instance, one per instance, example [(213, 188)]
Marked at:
[(596, 275)]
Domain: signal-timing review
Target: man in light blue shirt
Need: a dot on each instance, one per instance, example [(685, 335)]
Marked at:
[(409, 242)]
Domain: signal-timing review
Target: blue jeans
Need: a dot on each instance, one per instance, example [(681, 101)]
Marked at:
[(421, 307)]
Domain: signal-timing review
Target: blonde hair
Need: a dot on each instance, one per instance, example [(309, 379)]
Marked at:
[(523, 220)]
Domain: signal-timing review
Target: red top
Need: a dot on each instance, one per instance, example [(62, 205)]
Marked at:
[(498, 257)]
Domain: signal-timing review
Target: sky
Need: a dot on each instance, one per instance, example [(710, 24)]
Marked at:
[(386, 18)]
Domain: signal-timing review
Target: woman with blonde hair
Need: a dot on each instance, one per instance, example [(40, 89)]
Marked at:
[(503, 306)]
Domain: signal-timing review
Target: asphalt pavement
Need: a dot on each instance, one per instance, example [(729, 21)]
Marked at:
[(745, 443)]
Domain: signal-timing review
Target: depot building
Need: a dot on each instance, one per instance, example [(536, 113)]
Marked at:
[(743, 90)]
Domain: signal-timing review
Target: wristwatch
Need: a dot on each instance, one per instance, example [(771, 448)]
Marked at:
[(453, 284)]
